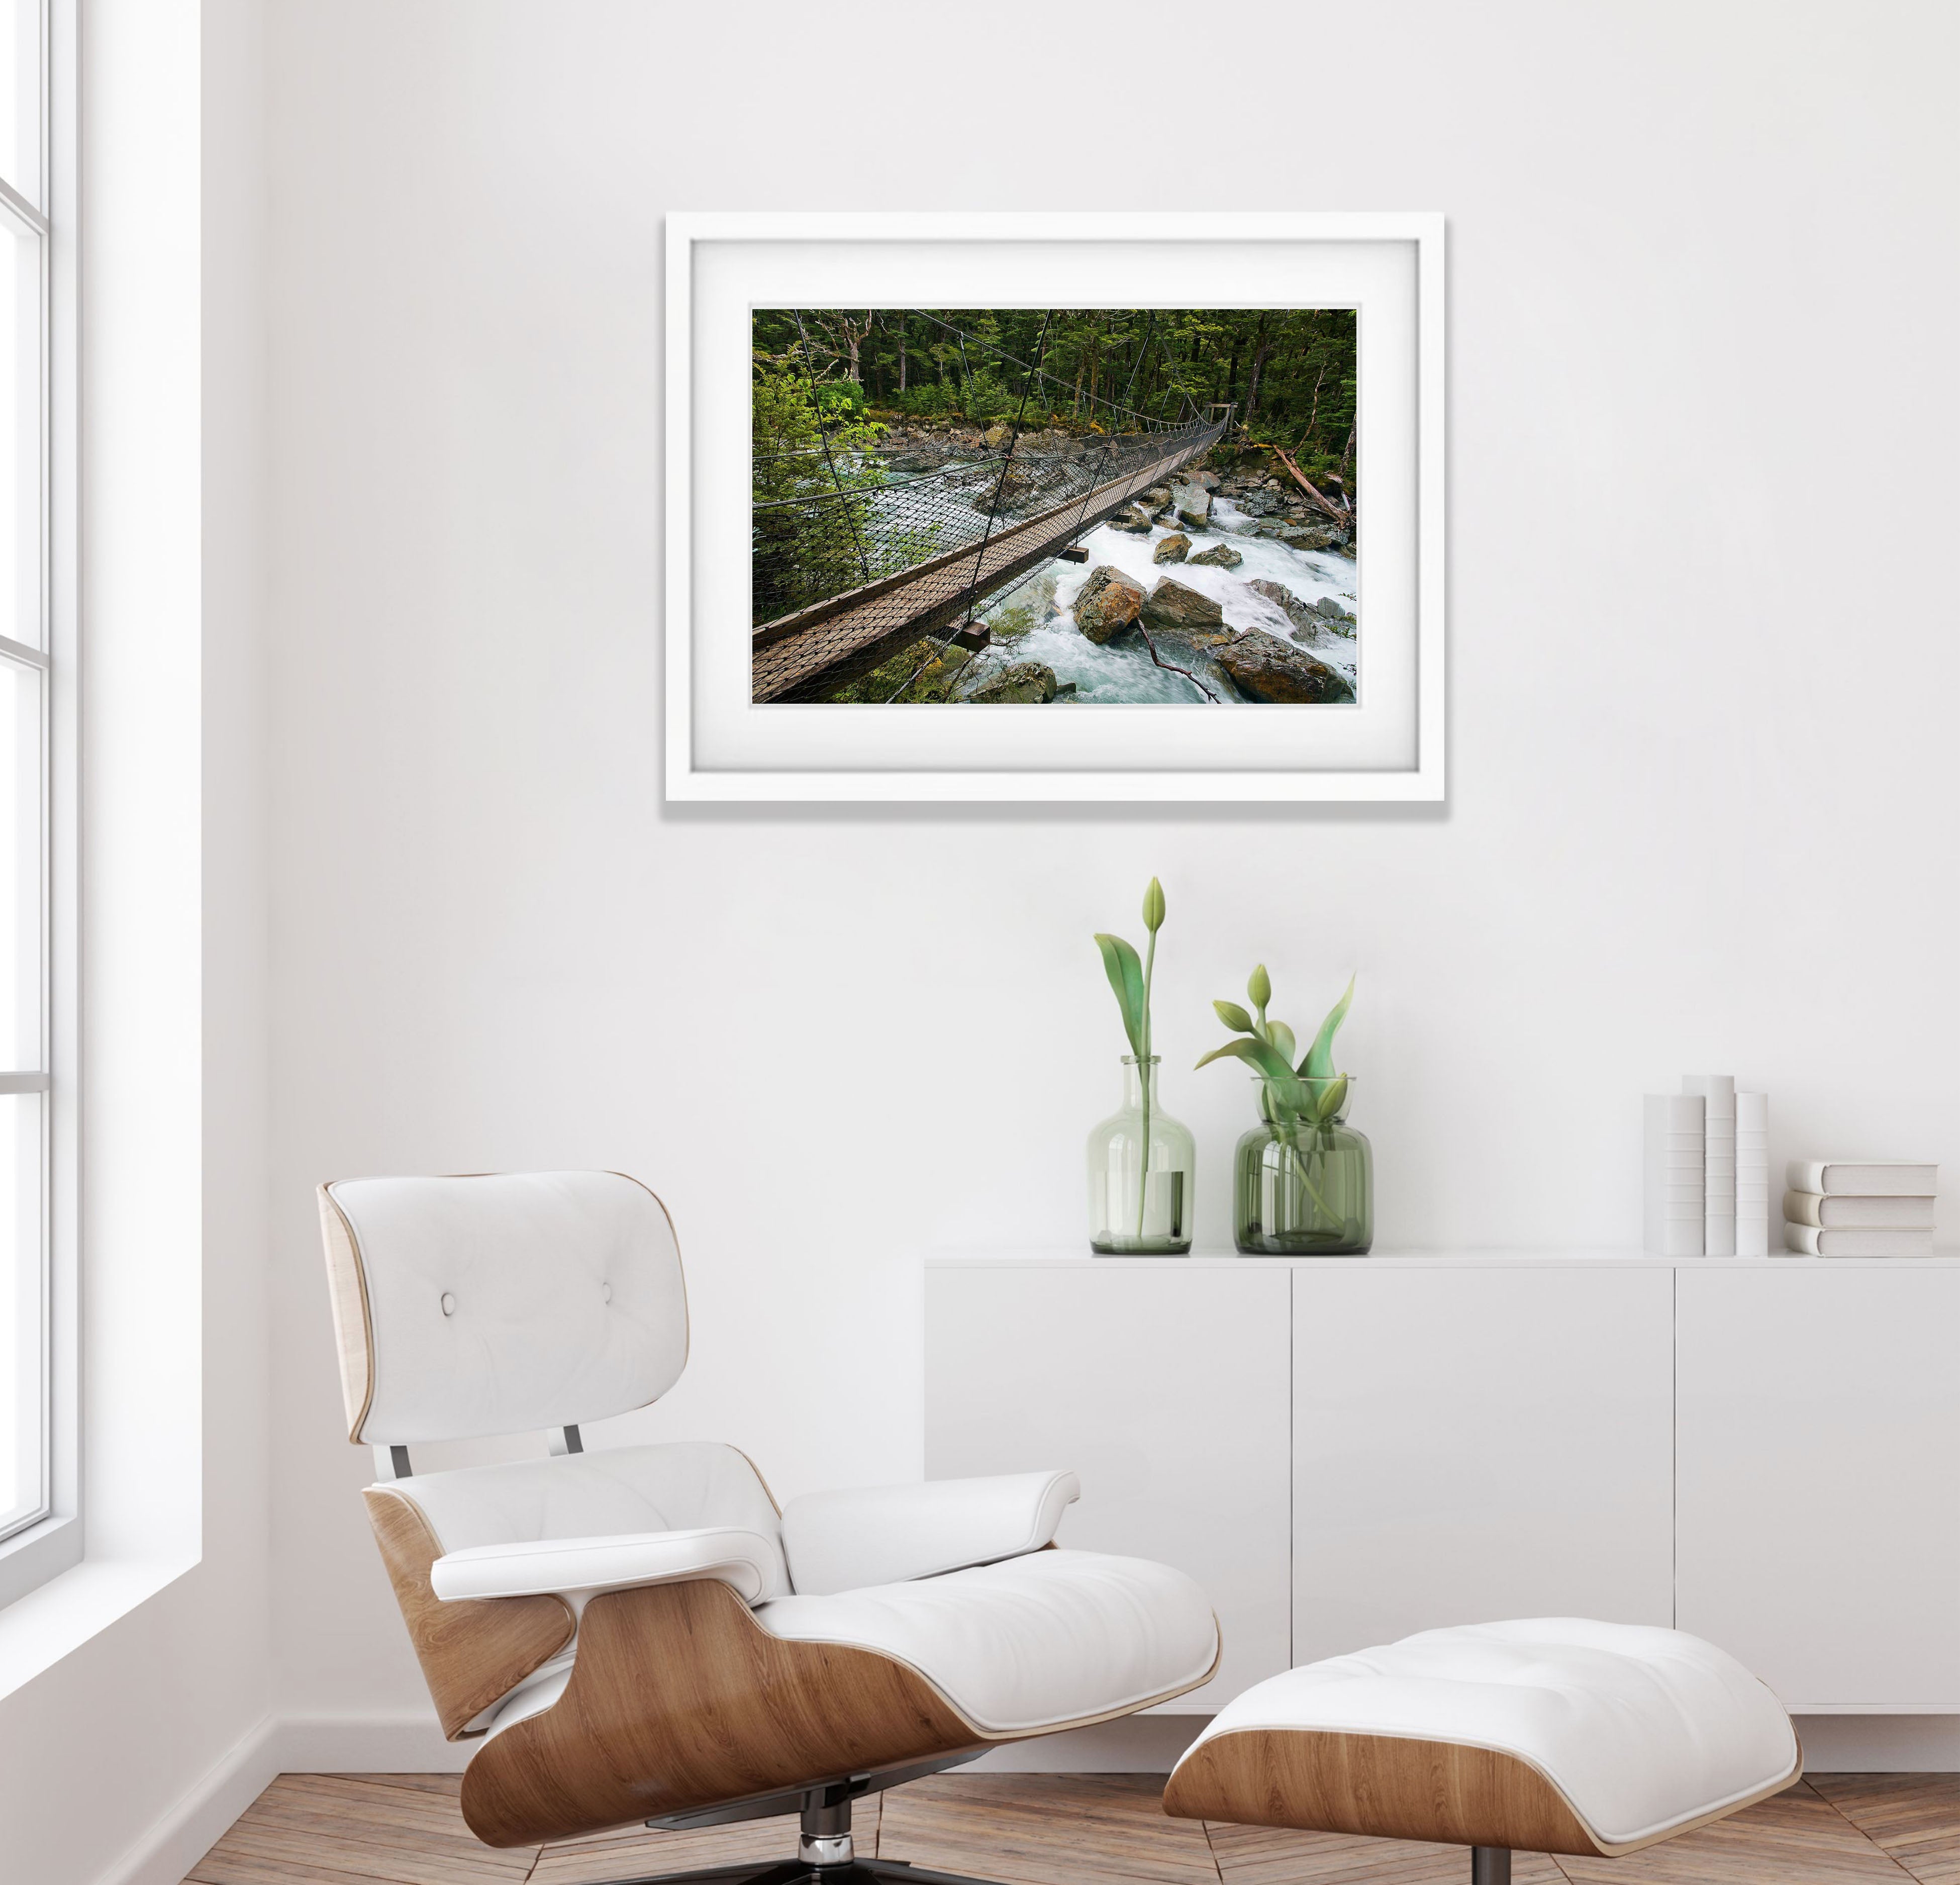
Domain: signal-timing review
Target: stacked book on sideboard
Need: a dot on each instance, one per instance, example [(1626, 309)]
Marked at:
[(1707, 1173), (1870, 1207)]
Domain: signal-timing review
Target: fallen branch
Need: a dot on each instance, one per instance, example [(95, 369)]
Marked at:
[(1172, 667), (1340, 515)]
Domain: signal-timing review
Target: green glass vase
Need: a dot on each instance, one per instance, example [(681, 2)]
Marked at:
[(1141, 1162), (1303, 1190)]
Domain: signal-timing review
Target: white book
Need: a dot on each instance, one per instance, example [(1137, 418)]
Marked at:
[(1841, 1212), (1809, 1240), (1718, 1094), (1675, 1205), (1868, 1178), (1752, 1174)]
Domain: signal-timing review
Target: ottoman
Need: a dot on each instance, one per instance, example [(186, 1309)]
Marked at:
[(1549, 1735)]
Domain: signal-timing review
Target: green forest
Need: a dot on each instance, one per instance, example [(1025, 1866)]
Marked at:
[(1290, 373)]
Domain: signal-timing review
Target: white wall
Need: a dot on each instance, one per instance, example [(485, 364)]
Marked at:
[(1704, 666)]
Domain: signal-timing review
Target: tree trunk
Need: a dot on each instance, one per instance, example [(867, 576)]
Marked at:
[(1260, 349), (901, 354)]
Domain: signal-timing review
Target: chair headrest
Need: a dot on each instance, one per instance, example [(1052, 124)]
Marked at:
[(499, 1303)]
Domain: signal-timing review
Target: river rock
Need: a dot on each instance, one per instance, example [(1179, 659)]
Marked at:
[(1107, 603), (1219, 556), (1175, 605), (1204, 480), (1267, 671), (1137, 523), (1156, 499), (1171, 550), (997, 435), (1024, 684), (1328, 607), (1312, 531), (1302, 615), (1193, 504)]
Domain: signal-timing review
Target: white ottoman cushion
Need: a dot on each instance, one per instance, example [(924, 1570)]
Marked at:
[(1643, 1732)]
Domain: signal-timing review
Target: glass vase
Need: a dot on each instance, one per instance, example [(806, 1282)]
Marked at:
[(1301, 1188), (1140, 1166)]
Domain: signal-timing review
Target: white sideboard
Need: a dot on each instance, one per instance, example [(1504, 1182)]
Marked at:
[(1341, 1451)]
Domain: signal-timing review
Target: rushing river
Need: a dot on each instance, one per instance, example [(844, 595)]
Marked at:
[(1122, 671)]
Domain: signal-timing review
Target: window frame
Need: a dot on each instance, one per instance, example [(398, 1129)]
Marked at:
[(38, 1548)]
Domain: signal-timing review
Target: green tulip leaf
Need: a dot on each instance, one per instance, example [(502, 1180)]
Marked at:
[(1233, 1016), (1319, 1064), (1256, 1054), (1125, 971), (1153, 907), (1283, 1043)]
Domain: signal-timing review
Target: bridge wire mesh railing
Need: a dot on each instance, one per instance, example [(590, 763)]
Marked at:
[(838, 523)]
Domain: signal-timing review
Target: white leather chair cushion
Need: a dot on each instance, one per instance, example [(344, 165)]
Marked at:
[(624, 1493), (513, 1302), (884, 1534), (1039, 1642), (546, 1567), (1642, 1729)]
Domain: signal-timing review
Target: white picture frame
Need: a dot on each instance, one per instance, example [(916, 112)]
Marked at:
[(719, 747)]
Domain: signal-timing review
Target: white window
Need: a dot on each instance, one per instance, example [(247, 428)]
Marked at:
[(32, 663)]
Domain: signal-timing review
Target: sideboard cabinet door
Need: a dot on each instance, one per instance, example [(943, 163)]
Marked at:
[(1819, 1506), (1479, 1442), (1165, 1385)]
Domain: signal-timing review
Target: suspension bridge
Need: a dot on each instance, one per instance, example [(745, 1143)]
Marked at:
[(875, 555)]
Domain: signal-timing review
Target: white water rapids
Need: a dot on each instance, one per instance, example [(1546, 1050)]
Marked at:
[(1122, 671)]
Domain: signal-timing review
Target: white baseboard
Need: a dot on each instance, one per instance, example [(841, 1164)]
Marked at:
[(407, 1743), (1138, 1744), (200, 1820), (410, 1743), (1880, 1743)]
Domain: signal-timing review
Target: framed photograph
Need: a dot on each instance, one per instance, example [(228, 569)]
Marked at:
[(1054, 506)]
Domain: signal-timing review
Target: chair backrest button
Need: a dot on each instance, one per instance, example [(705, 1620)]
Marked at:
[(448, 1303), (606, 1292)]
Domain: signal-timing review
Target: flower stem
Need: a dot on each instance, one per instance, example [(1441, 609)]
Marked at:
[(1143, 1072)]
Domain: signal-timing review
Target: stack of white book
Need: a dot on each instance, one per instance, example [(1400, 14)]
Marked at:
[(1707, 1171), (1873, 1207)]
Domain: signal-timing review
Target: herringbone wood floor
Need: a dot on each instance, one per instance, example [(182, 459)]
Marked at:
[(1074, 1829)]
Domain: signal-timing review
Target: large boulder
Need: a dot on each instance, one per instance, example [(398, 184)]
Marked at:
[(997, 435), (1204, 480), (1155, 499), (1137, 522), (1219, 556), (1328, 607), (1172, 549), (1175, 605), (1107, 603), (1302, 615), (1267, 671), (1192, 503), (1024, 684)]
